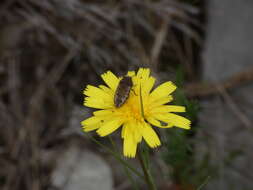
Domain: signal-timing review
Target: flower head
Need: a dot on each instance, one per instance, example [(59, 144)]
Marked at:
[(143, 108)]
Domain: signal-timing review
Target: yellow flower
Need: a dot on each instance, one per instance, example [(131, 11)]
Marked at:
[(143, 108)]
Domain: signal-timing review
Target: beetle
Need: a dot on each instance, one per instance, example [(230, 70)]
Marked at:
[(123, 90)]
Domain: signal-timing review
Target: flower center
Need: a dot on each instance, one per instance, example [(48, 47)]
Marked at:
[(131, 110)]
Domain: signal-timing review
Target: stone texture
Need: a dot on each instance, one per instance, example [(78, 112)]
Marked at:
[(228, 50), (82, 170), (78, 114), (229, 38)]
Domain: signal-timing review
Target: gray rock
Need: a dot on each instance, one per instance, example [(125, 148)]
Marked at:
[(82, 170), (229, 40), (78, 114), (228, 50)]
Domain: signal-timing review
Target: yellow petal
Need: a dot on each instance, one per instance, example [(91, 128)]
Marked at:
[(174, 108), (109, 127), (93, 91), (131, 73), (127, 129), (97, 97), (123, 131), (137, 131), (111, 80), (107, 90), (102, 113), (130, 146), (91, 121), (93, 102), (148, 84), (143, 73), (175, 120), (167, 108), (153, 121), (150, 136), (163, 90), (139, 73), (158, 123), (90, 127), (154, 102)]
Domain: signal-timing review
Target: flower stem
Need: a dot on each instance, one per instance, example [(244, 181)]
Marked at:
[(117, 157), (128, 174), (146, 171)]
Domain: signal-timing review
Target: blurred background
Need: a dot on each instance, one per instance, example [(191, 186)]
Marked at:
[(51, 49)]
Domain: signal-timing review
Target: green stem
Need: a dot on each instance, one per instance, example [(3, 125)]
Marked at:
[(143, 157), (146, 171), (130, 177), (204, 183), (117, 157), (126, 170)]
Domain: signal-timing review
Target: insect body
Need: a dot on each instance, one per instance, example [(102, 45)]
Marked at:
[(123, 90)]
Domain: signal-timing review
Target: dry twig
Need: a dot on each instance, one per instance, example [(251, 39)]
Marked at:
[(234, 108), (202, 90)]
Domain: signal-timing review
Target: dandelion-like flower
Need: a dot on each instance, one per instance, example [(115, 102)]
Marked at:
[(142, 109)]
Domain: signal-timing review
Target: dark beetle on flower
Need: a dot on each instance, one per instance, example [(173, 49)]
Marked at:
[(123, 90)]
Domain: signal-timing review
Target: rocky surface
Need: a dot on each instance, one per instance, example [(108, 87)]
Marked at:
[(78, 169), (227, 121), (229, 40)]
